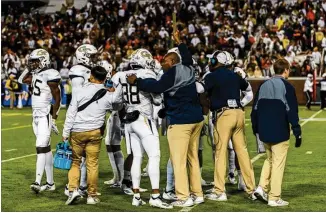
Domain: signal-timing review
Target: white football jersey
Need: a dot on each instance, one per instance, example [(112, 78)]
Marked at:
[(133, 98), (79, 75), (42, 96)]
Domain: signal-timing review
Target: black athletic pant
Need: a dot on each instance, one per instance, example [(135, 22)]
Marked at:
[(322, 99), (309, 99)]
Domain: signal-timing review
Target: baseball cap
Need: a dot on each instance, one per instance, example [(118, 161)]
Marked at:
[(222, 57)]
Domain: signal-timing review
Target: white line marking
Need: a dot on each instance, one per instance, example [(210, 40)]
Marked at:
[(10, 150), (309, 152), (25, 156), (254, 159)]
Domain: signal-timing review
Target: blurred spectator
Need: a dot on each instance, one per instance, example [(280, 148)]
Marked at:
[(14, 87)]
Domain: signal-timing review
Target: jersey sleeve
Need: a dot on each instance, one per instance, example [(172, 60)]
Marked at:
[(116, 79), (53, 76)]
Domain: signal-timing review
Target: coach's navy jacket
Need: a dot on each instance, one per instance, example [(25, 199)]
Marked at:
[(179, 88), (274, 108)]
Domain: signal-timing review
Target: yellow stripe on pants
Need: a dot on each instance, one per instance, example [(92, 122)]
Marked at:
[(273, 168), (183, 143), (230, 125)]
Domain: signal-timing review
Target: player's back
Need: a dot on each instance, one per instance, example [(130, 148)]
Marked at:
[(42, 96), (133, 98), (79, 75)]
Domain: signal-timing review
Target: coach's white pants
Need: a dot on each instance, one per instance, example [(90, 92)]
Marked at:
[(141, 135)]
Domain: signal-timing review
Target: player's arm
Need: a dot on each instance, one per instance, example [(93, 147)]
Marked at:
[(157, 99), (70, 117), (248, 95), (24, 78), (55, 90)]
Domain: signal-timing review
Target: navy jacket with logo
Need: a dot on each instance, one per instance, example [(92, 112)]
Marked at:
[(275, 107), (178, 86)]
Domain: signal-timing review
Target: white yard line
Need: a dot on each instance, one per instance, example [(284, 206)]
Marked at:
[(10, 150), (254, 159), (25, 156)]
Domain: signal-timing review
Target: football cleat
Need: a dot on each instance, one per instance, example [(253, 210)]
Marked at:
[(169, 195), (127, 190), (110, 182), (82, 191), (48, 187), (232, 179), (252, 196), (72, 197), (66, 190), (157, 202), (35, 187), (205, 183), (137, 201), (115, 185)]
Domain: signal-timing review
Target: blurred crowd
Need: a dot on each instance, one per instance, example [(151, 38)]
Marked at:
[(293, 29)]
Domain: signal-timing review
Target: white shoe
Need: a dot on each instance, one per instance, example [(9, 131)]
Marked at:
[(170, 195), (183, 203), (115, 185), (259, 193), (137, 201), (197, 200), (111, 182), (232, 179), (142, 190), (72, 197), (66, 190), (252, 196), (277, 203), (82, 191), (92, 200), (35, 187), (157, 202), (241, 184), (126, 190), (216, 197), (48, 187), (208, 191), (204, 183)]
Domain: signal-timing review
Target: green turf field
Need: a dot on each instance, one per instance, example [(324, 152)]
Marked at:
[(304, 184)]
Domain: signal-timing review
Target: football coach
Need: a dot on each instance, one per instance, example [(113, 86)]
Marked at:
[(223, 87), (275, 106), (184, 114)]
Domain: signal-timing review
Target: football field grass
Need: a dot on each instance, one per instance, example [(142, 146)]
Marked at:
[(304, 183)]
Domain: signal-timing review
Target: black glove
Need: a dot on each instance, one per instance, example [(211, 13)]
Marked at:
[(298, 141), (162, 113)]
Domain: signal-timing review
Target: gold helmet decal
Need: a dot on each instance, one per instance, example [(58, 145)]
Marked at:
[(83, 49), (41, 53)]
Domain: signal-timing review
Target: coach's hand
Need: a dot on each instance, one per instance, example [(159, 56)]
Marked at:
[(132, 79), (298, 141)]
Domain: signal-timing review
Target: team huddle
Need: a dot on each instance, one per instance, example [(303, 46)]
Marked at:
[(134, 114)]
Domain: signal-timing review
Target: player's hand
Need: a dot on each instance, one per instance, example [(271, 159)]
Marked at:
[(132, 79), (298, 141), (176, 37), (54, 127), (111, 89), (162, 113)]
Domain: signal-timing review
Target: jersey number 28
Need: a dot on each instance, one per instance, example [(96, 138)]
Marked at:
[(131, 93)]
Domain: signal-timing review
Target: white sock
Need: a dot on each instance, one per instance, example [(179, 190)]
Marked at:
[(137, 195), (154, 171), (155, 195), (169, 176), (40, 166), (49, 167), (136, 172), (231, 161), (83, 173), (113, 165), (119, 161)]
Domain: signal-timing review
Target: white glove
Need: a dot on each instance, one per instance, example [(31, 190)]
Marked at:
[(54, 127)]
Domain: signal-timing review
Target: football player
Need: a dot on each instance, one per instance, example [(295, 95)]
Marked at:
[(45, 82), (113, 137), (140, 131), (79, 74)]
